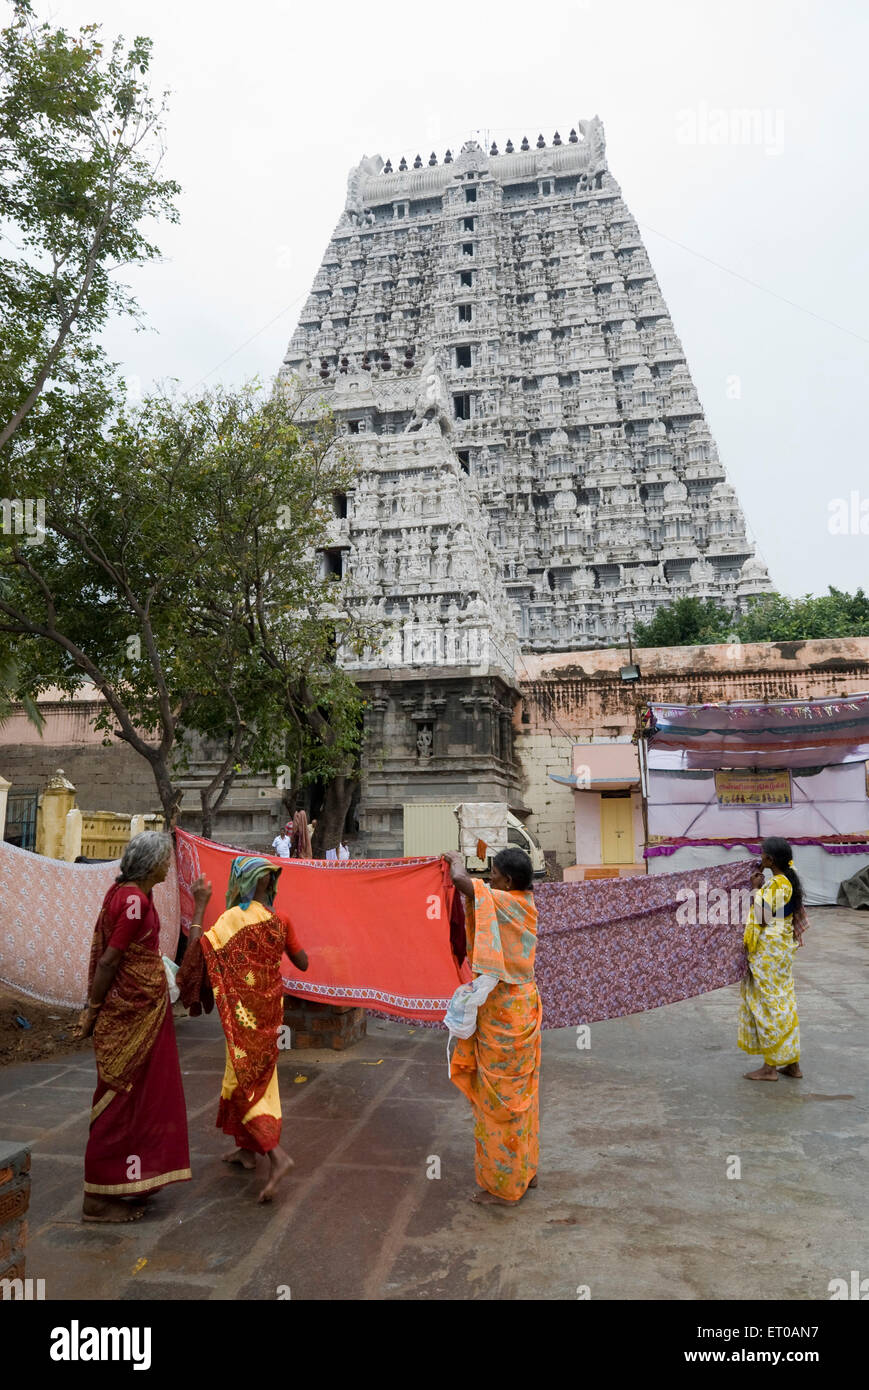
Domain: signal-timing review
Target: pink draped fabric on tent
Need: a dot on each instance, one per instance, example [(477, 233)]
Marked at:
[(780, 734), (48, 910), (819, 748)]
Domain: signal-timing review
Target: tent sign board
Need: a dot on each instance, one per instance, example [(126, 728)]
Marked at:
[(753, 788)]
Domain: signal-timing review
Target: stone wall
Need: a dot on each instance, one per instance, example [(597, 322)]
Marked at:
[(105, 779), (576, 697), (541, 752), (583, 691), (113, 777), (313, 1024), (432, 736)]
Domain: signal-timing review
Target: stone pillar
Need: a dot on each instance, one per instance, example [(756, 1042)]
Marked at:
[(14, 1201), (496, 732), (375, 712), (4, 793), (137, 826), (57, 798), (72, 835), (486, 705), (471, 706)]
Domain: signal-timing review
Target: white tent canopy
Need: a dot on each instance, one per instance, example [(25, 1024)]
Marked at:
[(813, 751)]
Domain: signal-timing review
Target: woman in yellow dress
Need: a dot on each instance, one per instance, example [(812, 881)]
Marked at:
[(498, 1068), (768, 1022), (242, 955)]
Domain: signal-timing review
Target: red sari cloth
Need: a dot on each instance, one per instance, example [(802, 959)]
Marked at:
[(138, 1133), (346, 914)]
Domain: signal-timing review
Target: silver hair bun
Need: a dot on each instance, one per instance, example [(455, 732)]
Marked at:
[(143, 855)]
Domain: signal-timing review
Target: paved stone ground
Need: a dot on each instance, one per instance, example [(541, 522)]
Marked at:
[(634, 1201)]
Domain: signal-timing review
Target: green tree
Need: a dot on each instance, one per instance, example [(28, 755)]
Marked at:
[(775, 618), (80, 148), (687, 622), (178, 572), (768, 618), (177, 569)]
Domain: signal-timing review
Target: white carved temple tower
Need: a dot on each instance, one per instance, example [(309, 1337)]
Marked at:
[(534, 465)]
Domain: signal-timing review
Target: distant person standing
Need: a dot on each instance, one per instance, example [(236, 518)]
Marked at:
[(283, 844), (301, 834)]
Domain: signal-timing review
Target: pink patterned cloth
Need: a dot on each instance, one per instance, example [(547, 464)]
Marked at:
[(611, 947), (48, 911)]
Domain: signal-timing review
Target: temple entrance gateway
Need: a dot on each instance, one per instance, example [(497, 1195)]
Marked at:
[(534, 470)]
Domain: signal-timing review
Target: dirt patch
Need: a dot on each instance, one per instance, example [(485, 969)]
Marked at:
[(49, 1034)]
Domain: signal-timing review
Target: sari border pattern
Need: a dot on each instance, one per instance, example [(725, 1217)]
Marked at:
[(120, 1189), (380, 996), (102, 1104)]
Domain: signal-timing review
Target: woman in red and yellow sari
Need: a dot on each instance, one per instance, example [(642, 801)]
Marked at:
[(138, 1133), (242, 955), (498, 1068)]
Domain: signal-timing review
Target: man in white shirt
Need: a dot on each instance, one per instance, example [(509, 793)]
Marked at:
[(281, 844)]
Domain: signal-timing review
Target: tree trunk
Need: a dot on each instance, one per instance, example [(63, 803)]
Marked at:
[(211, 804), (170, 796), (330, 822)]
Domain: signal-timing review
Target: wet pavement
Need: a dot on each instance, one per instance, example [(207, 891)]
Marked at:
[(639, 1133)]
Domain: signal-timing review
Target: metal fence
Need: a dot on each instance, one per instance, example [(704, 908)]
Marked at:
[(21, 810)]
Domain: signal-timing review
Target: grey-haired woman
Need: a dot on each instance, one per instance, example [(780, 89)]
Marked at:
[(138, 1130)]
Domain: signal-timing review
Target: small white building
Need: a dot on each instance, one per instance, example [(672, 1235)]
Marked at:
[(608, 809)]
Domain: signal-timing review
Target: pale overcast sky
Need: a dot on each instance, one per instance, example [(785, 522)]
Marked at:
[(272, 104)]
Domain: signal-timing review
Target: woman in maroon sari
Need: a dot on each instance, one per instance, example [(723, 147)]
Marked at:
[(138, 1133)]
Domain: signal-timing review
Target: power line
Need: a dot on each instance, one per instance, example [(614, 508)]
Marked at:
[(774, 294), (241, 346)]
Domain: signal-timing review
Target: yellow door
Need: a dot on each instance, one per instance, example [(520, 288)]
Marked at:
[(616, 829)]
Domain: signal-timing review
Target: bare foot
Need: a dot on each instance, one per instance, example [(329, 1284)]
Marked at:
[(280, 1164), (488, 1199), (241, 1156), (793, 1069), (763, 1073), (110, 1209), (533, 1182)]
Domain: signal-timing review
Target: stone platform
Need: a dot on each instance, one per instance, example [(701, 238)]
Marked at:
[(638, 1134), (575, 873)]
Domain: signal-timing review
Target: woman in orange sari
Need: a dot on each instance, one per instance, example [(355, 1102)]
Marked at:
[(242, 955), (498, 1068), (138, 1129)]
